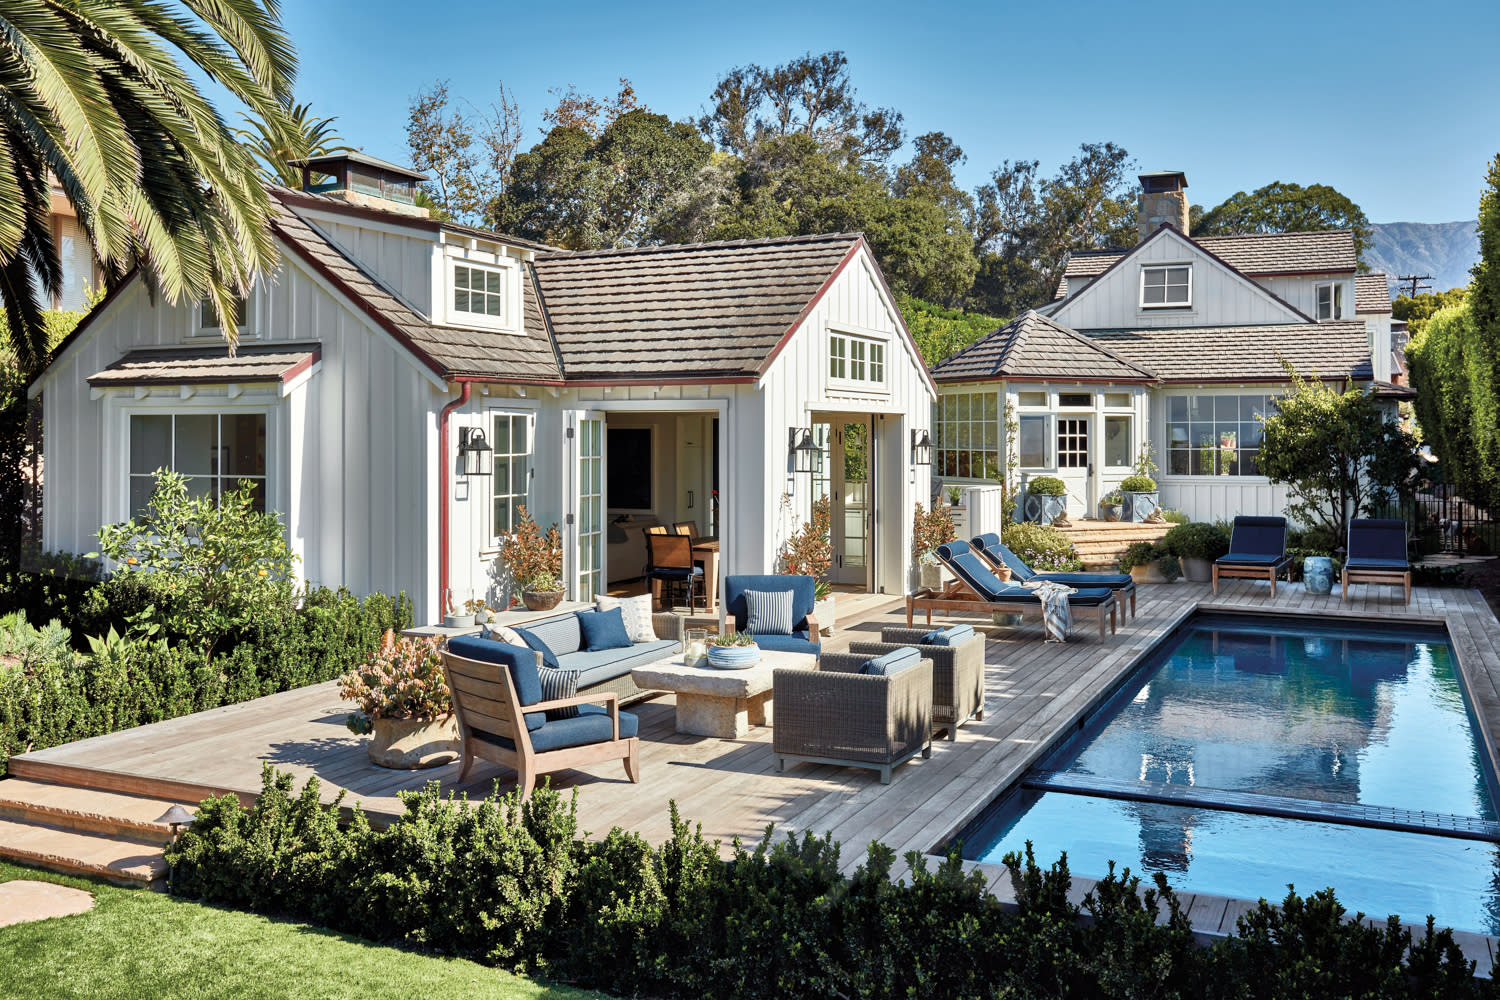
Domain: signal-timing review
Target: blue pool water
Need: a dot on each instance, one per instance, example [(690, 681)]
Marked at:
[(1275, 716)]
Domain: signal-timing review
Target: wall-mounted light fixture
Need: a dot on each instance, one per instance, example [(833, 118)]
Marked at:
[(474, 451), (921, 446), (804, 451)]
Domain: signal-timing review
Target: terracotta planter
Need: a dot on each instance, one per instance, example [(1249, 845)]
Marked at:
[(1197, 570), (541, 600), (414, 744)]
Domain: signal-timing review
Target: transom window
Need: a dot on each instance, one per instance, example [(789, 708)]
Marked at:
[(478, 291), (1215, 435), (511, 477), (1166, 286), (1330, 301), (856, 359), (967, 429), (1076, 399), (213, 450)]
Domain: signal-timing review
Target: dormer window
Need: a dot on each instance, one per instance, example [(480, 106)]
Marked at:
[(478, 291), (1167, 287), (483, 291), (1330, 301)]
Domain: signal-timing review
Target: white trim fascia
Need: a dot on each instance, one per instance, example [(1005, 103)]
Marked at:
[(908, 342), (308, 214), (301, 379)]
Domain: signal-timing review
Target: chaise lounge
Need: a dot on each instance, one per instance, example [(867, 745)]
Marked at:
[(1257, 551), (999, 554), (1377, 554)]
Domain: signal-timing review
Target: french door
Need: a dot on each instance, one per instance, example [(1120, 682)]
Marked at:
[(1074, 464), (583, 520), (847, 477)]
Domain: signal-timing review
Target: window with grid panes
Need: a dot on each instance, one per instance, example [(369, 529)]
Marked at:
[(213, 450), (1166, 286), (511, 474), (1072, 442), (479, 291), (967, 426), (856, 359), (1215, 435)]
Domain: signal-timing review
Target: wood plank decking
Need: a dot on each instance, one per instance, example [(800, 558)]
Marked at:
[(1035, 693)]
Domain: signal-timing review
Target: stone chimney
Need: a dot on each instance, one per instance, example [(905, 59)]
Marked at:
[(1163, 199)]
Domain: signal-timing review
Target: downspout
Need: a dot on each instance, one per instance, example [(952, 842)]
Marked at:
[(444, 471)]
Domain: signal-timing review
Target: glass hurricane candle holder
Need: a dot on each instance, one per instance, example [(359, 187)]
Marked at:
[(695, 646)]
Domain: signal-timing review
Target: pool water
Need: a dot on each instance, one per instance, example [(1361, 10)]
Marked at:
[(1251, 716)]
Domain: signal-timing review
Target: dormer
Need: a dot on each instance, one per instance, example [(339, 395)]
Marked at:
[(477, 284), (363, 180)]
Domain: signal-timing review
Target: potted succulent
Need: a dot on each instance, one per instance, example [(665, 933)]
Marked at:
[(1110, 505), (1046, 499), (403, 700), (929, 529), (477, 607), (1150, 562), (809, 552), (535, 562), (733, 651), (1197, 544)]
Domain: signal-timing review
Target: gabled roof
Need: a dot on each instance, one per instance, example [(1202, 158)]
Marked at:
[(1372, 293), (707, 309), (1256, 254), (1245, 353), (1032, 346)]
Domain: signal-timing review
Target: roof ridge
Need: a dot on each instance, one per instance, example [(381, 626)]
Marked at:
[(1267, 236), (710, 245)]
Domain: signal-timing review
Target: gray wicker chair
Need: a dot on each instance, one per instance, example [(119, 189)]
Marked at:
[(957, 674), (836, 715)]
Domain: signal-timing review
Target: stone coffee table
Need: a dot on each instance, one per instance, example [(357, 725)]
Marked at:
[(714, 702)]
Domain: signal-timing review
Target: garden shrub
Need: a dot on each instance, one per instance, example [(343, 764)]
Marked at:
[(1143, 553), (1138, 484), (1046, 486), (1042, 547), (1196, 540), (1174, 517)]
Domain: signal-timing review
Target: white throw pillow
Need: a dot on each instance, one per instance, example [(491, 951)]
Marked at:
[(502, 633), (636, 611)]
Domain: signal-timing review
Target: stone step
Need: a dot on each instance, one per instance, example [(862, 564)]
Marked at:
[(85, 810), (116, 859)]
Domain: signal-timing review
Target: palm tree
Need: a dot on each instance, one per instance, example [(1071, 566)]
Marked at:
[(92, 97), (302, 137)]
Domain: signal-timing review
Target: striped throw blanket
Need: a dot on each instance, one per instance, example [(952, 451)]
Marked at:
[(1057, 616)]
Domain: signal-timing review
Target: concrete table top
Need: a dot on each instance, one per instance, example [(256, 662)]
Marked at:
[(720, 703)]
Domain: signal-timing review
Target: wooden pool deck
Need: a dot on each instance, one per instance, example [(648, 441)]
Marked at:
[(1036, 693)]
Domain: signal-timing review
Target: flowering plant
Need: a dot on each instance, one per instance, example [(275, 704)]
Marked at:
[(403, 679), (929, 529)]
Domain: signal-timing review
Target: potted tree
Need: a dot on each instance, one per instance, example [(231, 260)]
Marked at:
[(1110, 505), (403, 700), (1197, 545), (1046, 499), (929, 529), (1150, 562), (535, 562), (1141, 501), (809, 552)]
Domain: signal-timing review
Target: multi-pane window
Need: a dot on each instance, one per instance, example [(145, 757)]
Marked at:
[(213, 450), (856, 359), (1031, 442), (512, 470), (1167, 286), (1072, 443), (1330, 301), (967, 429), (838, 357), (478, 291), (1215, 435)]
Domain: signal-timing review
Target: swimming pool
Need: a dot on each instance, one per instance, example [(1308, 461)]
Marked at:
[(1247, 753)]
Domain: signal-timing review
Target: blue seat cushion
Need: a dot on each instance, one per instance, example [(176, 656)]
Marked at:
[(951, 636), (607, 664), (536, 642), (1248, 559), (603, 630), (1114, 581), (520, 661), (1358, 563), (797, 642), (1377, 538), (892, 663), (590, 725)]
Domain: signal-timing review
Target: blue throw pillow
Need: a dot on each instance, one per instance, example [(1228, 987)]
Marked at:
[(603, 630), (890, 663), (549, 659)]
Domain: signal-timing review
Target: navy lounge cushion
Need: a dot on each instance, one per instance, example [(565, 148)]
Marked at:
[(797, 642), (1387, 565), (1377, 538), (1248, 559), (888, 664), (1256, 536), (990, 543), (602, 630), (1113, 581), (951, 636), (591, 725), (536, 642), (800, 586), (518, 660), (971, 570)]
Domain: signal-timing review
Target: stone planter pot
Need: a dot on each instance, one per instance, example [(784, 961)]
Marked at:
[(541, 600), (1197, 570), (458, 621), (1006, 620), (824, 612), (733, 657), (1043, 508), (1317, 574), (1149, 573), (1110, 511), (1139, 506), (413, 744), (930, 576)]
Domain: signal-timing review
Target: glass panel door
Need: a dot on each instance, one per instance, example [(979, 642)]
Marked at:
[(845, 474), (1074, 467), (583, 542)]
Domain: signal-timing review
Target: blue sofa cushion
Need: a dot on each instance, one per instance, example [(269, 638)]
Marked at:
[(950, 636), (603, 630), (561, 633), (768, 612), (591, 725), (536, 642), (607, 664), (889, 664), (517, 659), (800, 586), (797, 642)]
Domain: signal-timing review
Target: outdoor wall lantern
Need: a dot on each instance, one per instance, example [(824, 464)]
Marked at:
[(805, 453), (921, 446), (474, 451)]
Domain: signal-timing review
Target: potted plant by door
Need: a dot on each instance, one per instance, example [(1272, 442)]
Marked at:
[(1142, 502), (1197, 545), (1150, 562), (1110, 505), (1046, 499), (929, 529), (535, 562), (403, 700), (809, 552)]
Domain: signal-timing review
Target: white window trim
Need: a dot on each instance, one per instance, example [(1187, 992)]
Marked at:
[(1335, 295), (510, 283), (1049, 436), (861, 386), (248, 330), (1163, 267), (494, 539), (1164, 442), (1130, 449)]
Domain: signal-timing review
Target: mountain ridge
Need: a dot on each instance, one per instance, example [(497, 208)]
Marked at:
[(1445, 250)]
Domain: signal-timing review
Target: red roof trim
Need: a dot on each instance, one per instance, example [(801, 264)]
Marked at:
[(83, 326), (811, 304), (304, 365), (1052, 379)]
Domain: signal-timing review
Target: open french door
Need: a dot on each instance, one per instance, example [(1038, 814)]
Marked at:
[(583, 517)]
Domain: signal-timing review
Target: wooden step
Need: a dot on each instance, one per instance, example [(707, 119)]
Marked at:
[(116, 859), (86, 810)]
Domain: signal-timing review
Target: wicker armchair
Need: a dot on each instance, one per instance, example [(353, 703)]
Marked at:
[(957, 674), (836, 715)]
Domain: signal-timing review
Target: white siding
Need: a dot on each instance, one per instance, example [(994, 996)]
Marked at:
[(404, 259), (1301, 290)]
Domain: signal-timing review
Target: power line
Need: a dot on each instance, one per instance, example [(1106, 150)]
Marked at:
[(1417, 282)]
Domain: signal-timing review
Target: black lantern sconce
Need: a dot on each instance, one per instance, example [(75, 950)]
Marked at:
[(805, 453), (921, 447), (474, 451)]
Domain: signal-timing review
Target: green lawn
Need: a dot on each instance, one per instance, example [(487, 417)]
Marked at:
[(139, 945)]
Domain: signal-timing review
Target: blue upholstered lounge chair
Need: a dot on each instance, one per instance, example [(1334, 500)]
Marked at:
[(1257, 550), (979, 591), (1377, 553), (999, 554), (800, 637)]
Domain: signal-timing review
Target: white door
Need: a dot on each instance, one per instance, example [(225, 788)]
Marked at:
[(1074, 463), (846, 476), (583, 519)]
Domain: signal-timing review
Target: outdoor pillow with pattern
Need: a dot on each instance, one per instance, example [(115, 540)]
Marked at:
[(637, 612), (768, 612), (503, 633), (559, 684)]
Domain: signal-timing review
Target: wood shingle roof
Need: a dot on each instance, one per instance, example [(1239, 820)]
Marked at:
[(1033, 346), (1325, 252), (1372, 293), (1245, 353), (208, 364)]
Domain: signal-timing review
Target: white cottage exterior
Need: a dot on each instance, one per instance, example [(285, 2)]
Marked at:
[(614, 388)]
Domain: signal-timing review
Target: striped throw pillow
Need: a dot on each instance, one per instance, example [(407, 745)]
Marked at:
[(768, 612), (559, 684)]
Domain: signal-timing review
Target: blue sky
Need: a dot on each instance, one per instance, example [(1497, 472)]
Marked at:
[(1396, 105)]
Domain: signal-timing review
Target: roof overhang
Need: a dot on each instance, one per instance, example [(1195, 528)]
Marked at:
[(282, 364)]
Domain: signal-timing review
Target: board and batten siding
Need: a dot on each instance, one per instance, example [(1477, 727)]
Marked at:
[(405, 259), (1220, 297), (347, 449), (1212, 498), (797, 385)]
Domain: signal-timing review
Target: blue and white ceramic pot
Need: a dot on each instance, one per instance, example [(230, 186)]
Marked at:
[(733, 657), (1317, 573)]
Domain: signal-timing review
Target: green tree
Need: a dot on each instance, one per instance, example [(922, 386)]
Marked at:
[(1417, 311), (91, 92), (301, 136), (466, 152), (1453, 367), (1286, 208), (940, 332), (1337, 453)]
